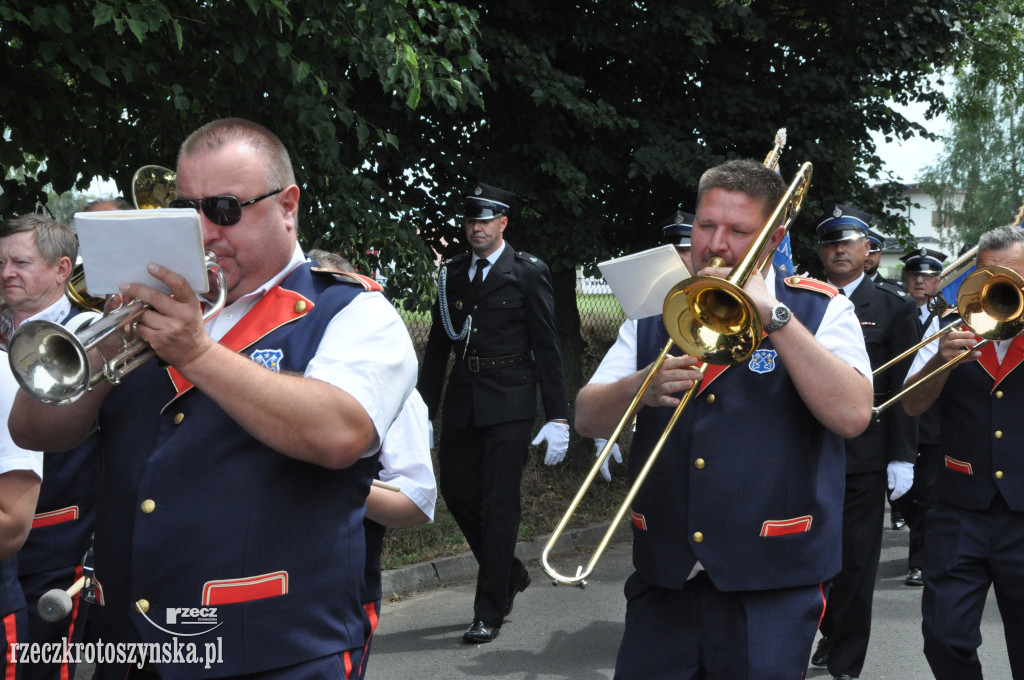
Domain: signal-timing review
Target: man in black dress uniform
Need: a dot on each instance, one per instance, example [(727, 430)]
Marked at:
[(495, 311), (883, 454)]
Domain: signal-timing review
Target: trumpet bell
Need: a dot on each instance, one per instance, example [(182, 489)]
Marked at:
[(713, 319), (991, 302), (49, 362)]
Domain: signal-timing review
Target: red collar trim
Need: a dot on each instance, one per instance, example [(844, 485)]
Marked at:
[(989, 360), (276, 308), (811, 284)]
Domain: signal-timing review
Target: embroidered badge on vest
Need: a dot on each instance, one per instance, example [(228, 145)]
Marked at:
[(268, 358), (763, 361)]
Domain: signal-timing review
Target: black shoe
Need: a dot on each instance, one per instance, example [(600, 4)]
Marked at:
[(515, 587), (480, 632), (897, 519), (844, 676), (914, 577), (820, 656)]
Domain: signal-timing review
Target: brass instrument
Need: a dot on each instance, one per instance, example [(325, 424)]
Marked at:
[(152, 187), (710, 318), (991, 305), (52, 364)]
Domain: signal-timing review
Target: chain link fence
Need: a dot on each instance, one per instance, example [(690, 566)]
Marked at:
[(600, 318)]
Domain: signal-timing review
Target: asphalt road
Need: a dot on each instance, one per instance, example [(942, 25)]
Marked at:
[(568, 633)]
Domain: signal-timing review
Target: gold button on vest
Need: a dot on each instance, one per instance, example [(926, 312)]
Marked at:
[(148, 505), (698, 537), (142, 606), (699, 463)]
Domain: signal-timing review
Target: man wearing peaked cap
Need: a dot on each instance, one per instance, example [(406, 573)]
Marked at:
[(884, 453), (921, 272), (876, 242), (676, 230), (495, 311)]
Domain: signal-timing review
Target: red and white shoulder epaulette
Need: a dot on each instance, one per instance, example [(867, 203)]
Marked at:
[(365, 281), (808, 283)]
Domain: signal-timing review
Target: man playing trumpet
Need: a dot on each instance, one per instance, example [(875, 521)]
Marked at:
[(738, 528), (234, 482)]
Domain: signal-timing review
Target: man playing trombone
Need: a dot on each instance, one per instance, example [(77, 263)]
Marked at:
[(974, 535), (739, 527)]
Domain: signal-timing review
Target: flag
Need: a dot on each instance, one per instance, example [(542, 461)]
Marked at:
[(783, 258)]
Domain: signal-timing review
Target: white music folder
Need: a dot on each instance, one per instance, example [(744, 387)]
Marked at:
[(117, 246), (641, 281)]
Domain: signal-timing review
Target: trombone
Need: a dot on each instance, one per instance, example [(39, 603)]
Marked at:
[(707, 317), (991, 305)]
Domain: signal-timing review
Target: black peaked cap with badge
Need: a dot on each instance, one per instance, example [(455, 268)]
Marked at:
[(843, 224), (875, 241), (677, 228), (923, 261), (485, 202)]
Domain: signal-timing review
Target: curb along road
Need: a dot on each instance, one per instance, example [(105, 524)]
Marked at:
[(436, 573)]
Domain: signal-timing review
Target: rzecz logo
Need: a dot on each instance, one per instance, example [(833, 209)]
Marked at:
[(204, 617)]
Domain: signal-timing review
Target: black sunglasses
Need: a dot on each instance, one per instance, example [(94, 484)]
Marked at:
[(221, 210)]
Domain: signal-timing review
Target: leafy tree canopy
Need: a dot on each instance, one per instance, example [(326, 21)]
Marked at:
[(978, 180), (99, 89)]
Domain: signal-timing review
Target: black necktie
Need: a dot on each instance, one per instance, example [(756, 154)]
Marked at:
[(842, 292), (478, 278)]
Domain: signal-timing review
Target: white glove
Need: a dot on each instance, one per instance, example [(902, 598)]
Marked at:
[(901, 477), (599, 445), (557, 437)]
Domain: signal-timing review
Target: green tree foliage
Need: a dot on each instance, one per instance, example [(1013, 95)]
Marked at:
[(603, 115), (978, 180), (100, 89)]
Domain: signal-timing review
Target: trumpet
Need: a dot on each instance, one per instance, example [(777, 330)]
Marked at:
[(52, 364), (991, 305), (710, 318)]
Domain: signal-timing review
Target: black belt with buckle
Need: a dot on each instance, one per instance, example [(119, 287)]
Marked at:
[(476, 364)]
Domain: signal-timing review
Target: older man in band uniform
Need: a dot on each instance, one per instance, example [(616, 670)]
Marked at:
[(882, 456), (39, 255), (235, 475), (491, 399), (974, 536), (736, 531)]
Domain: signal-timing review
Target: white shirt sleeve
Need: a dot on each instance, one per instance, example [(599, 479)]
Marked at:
[(620, 360), (405, 456), (366, 351), (13, 457), (840, 333)]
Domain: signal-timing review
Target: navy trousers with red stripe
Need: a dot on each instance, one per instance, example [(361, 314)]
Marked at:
[(700, 632), (15, 631), (71, 628)]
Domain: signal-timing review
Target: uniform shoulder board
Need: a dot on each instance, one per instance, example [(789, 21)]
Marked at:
[(457, 258), (950, 312), (350, 277), (532, 259), (892, 288), (807, 283)]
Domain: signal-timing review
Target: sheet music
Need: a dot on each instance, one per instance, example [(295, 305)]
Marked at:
[(117, 246), (641, 281)]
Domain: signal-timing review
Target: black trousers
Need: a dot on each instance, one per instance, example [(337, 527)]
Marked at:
[(847, 620), (481, 470)]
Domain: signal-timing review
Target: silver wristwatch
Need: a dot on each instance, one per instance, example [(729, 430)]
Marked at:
[(780, 317)]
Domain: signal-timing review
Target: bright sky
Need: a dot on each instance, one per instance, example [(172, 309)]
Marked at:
[(908, 159)]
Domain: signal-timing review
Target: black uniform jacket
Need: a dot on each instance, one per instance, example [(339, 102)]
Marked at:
[(888, 319), (513, 315)]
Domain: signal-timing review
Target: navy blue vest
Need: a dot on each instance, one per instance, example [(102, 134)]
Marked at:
[(62, 527), (982, 438), (195, 512), (749, 482)]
